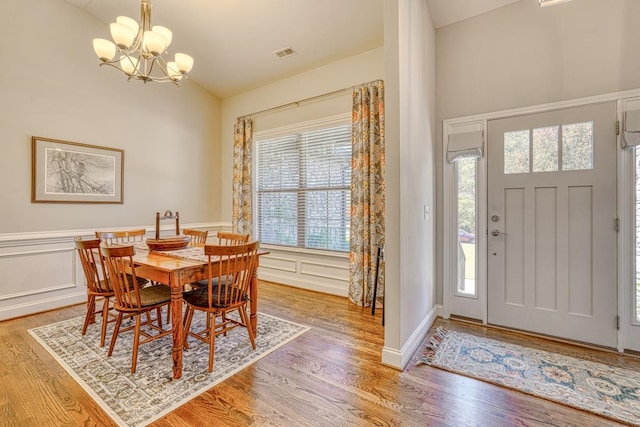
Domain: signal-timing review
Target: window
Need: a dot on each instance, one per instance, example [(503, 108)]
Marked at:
[(636, 293), (466, 178), (568, 147), (303, 181)]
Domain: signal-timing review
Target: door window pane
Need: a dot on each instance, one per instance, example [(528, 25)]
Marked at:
[(545, 149), (577, 146), (516, 152), (466, 178)]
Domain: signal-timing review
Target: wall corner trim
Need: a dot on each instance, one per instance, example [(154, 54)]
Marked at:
[(399, 359)]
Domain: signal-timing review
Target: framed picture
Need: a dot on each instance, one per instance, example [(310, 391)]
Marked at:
[(70, 172)]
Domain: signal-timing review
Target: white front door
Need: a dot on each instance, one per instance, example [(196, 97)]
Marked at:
[(551, 220)]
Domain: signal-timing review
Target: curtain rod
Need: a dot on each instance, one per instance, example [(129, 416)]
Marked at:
[(302, 101)]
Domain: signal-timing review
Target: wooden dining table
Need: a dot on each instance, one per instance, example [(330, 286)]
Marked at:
[(176, 272)]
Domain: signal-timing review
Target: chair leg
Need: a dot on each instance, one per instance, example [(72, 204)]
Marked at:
[(244, 316), (91, 308), (212, 339), (159, 316), (105, 318), (116, 330), (224, 319), (188, 317), (136, 341)]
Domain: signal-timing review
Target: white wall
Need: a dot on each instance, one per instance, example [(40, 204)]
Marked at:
[(522, 55), (52, 87), (410, 178)]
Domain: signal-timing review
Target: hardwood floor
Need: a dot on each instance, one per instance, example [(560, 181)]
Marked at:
[(329, 376)]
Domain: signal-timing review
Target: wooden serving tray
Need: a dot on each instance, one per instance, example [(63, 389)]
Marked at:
[(168, 243)]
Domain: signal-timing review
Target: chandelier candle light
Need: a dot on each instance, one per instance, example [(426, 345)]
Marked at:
[(140, 49)]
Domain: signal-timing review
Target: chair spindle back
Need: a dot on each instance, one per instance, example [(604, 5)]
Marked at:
[(122, 273), (94, 271), (122, 236), (227, 238), (198, 237), (230, 269)]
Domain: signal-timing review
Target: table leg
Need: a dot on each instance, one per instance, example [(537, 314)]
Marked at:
[(176, 325), (253, 301)]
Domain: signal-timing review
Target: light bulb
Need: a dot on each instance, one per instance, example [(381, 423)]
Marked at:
[(131, 23), (154, 42), (129, 64), (122, 35), (184, 62), (173, 72), (104, 49), (164, 32)]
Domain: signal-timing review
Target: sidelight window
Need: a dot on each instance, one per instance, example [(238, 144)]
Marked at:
[(466, 178)]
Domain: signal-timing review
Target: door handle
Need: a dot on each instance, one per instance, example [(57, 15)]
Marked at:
[(495, 232)]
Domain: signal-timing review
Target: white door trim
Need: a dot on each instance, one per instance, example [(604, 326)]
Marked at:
[(624, 189)]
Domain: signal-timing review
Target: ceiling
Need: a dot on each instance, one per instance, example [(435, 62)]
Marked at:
[(233, 41), (445, 12)]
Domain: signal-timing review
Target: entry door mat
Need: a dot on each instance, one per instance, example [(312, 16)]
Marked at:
[(604, 390)]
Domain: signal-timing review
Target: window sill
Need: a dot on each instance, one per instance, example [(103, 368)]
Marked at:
[(315, 252)]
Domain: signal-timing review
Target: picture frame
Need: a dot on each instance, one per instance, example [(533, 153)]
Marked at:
[(71, 172)]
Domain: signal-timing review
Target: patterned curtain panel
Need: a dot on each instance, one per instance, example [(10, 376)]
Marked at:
[(367, 192), (242, 138)]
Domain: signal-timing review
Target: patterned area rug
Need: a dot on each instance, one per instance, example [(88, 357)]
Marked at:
[(140, 398), (589, 386)]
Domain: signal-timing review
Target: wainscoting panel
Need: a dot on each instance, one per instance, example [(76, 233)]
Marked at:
[(325, 271), (19, 278), (38, 272), (41, 271), (320, 271), (274, 262)]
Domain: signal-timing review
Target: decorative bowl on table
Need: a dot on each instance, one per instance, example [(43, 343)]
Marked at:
[(168, 243)]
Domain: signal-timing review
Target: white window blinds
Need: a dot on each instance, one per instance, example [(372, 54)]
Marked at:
[(303, 184), (631, 134), (465, 144)]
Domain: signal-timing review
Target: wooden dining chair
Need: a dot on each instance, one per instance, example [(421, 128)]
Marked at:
[(98, 285), (226, 238), (122, 236), (134, 301), (230, 270), (198, 237)]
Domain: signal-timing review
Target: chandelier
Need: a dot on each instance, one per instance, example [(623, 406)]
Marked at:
[(140, 49)]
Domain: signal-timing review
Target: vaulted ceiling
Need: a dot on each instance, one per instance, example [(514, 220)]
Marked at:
[(233, 41)]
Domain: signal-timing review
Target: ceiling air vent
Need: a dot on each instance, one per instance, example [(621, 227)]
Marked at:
[(285, 53)]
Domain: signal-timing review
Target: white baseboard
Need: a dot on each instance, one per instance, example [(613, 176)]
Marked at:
[(44, 304), (400, 358), (304, 284)]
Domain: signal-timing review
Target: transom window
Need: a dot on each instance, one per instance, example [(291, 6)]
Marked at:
[(303, 181), (549, 149)]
